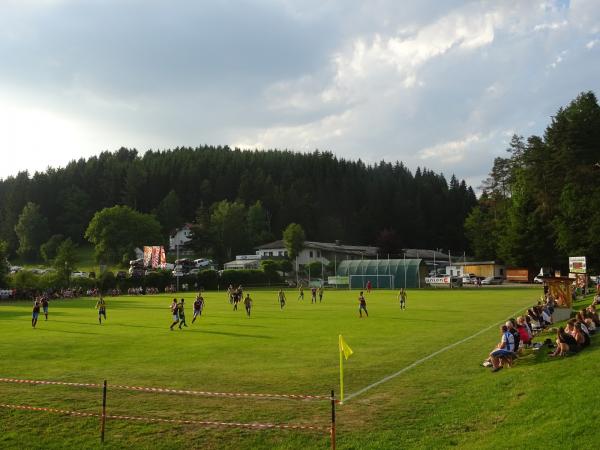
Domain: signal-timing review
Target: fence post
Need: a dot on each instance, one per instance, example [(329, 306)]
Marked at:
[(103, 417), (332, 420)]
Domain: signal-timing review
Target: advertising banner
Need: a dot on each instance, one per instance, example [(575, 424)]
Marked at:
[(154, 256), (577, 264)]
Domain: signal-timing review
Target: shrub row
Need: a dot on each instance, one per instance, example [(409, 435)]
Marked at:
[(25, 281)]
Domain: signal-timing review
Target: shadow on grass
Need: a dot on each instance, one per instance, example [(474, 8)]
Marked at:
[(542, 356), (12, 315), (224, 333), (52, 330)]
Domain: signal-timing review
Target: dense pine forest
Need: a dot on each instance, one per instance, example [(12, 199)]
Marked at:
[(541, 203), (332, 198)]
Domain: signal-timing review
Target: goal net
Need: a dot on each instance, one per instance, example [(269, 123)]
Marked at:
[(377, 281)]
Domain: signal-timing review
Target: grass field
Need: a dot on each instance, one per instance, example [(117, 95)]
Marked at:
[(448, 400)]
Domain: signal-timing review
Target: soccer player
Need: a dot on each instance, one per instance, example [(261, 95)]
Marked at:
[(236, 300), (101, 307), (402, 297), (175, 313), (45, 305), (301, 293), (198, 305), (36, 312), (362, 305), (320, 294), (313, 295), (281, 299), (369, 286), (230, 293), (248, 304), (181, 312)]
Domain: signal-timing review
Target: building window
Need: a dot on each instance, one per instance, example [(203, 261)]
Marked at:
[(279, 253), (311, 254)]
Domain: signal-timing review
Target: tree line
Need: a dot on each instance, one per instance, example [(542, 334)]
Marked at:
[(235, 199), (541, 203)]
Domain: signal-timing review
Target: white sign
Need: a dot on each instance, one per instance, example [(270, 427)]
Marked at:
[(437, 280), (577, 264)]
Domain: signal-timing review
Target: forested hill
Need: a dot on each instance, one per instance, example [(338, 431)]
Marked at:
[(331, 198)]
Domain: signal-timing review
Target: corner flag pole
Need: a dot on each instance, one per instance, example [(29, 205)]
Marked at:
[(341, 370)]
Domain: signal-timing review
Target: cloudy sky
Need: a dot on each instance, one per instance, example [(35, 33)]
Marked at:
[(441, 84)]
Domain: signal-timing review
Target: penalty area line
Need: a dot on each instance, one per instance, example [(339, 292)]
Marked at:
[(426, 358)]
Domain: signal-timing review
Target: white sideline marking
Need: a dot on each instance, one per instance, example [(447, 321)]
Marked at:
[(422, 360)]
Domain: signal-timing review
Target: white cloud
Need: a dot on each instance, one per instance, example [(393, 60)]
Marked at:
[(559, 59), (372, 80), (450, 152), (550, 26)]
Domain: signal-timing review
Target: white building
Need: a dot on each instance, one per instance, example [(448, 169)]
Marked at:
[(324, 252), (180, 236), (239, 264)]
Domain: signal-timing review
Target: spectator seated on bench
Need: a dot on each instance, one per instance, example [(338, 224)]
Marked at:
[(504, 352)]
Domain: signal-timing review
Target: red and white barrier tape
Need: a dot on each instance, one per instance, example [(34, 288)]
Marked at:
[(260, 426), (174, 391)]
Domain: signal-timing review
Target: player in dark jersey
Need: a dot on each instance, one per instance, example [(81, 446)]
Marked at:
[(45, 306), (175, 313), (248, 304), (35, 313), (362, 305), (301, 292), (181, 311), (320, 294), (198, 306), (101, 307), (313, 295), (236, 300)]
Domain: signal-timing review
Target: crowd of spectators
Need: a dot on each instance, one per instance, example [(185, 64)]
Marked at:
[(517, 334)]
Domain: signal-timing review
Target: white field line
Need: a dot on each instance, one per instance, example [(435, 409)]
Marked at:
[(422, 360)]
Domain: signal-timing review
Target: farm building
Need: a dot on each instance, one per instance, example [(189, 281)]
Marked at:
[(384, 273), (324, 252), (478, 268)]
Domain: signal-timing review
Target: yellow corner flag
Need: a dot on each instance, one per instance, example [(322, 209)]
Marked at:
[(345, 348), (346, 351)]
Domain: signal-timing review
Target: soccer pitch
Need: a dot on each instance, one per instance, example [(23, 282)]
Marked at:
[(442, 401)]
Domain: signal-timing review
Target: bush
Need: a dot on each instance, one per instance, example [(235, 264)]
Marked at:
[(159, 279), (83, 283), (248, 278), (208, 279), (24, 280), (107, 281)]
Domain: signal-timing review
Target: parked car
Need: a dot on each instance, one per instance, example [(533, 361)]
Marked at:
[(493, 280), (78, 274), (136, 272), (203, 262), (469, 278), (121, 275)]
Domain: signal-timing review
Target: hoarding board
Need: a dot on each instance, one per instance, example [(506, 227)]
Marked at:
[(577, 264)]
